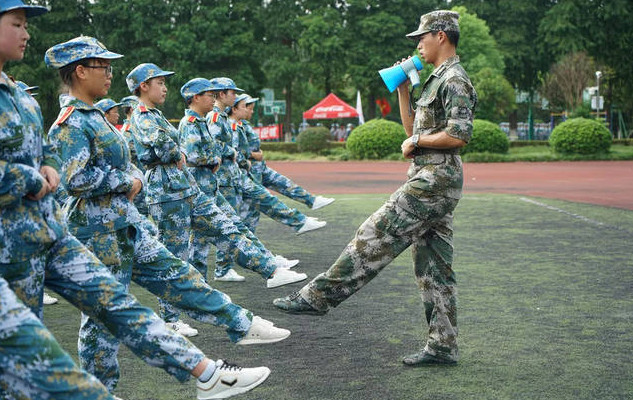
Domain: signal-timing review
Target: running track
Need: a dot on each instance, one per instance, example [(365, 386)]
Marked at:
[(607, 183)]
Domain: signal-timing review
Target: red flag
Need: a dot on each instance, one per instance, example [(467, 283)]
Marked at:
[(384, 106)]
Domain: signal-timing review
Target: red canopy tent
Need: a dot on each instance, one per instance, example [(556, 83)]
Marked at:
[(331, 107)]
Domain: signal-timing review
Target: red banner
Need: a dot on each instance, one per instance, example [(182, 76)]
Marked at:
[(268, 132)]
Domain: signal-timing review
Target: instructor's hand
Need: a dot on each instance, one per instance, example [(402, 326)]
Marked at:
[(407, 148)]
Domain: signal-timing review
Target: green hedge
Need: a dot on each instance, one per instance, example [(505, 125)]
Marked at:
[(314, 140), (580, 136), (487, 138), (376, 139)]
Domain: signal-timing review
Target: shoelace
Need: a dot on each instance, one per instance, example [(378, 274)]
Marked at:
[(230, 367)]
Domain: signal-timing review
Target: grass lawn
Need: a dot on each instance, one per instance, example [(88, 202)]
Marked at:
[(545, 312)]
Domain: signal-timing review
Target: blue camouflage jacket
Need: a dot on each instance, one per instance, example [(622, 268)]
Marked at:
[(254, 144), (96, 169), (203, 151), (26, 227), (158, 149), (220, 129)]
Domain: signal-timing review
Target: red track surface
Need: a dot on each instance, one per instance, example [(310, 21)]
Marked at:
[(607, 183)]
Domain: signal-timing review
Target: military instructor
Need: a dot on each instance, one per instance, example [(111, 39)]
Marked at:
[(420, 212)]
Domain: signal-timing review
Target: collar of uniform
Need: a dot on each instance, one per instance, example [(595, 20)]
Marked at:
[(219, 111), (245, 122), (156, 110), (66, 100), (445, 65), (5, 81), (190, 113)]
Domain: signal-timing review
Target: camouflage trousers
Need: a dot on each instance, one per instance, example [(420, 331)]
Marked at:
[(32, 364), (411, 217), (132, 254), (249, 190), (225, 261), (273, 180), (79, 277), (189, 227)]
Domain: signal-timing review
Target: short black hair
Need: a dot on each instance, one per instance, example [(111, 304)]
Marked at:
[(452, 36)]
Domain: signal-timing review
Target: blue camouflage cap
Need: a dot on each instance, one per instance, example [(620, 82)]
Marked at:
[(129, 101), (106, 105), (194, 87), (142, 73), (30, 11), (76, 49), (251, 100), (224, 84)]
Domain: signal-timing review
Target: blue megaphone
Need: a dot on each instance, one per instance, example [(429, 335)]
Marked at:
[(394, 76)]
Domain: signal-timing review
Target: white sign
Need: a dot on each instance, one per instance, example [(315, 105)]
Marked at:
[(593, 103)]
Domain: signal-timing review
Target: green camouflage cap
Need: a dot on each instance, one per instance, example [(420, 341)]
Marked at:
[(440, 20)]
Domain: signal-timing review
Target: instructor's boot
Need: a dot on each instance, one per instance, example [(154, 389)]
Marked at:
[(423, 359), (295, 304)]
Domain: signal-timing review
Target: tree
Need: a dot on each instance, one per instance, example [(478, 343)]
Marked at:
[(564, 84), (496, 97)]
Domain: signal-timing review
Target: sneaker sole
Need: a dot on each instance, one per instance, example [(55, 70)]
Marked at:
[(229, 280), (285, 283), (323, 205), (310, 230), (232, 392), (246, 342)]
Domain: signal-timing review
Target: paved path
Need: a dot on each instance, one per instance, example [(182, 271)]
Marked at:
[(608, 183)]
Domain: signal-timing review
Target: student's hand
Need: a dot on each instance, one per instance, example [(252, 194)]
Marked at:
[(51, 176), (407, 148), (46, 189), (181, 164), (137, 185), (257, 155)]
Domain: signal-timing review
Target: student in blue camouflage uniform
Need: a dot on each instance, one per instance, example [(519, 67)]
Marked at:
[(233, 180), (102, 182), (110, 109), (176, 203), (203, 161), (261, 173), (420, 213), (34, 242)]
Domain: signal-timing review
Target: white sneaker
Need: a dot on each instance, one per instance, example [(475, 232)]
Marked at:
[(283, 262), (229, 380), (230, 276), (48, 299), (262, 332), (310, 225), (284, 276), (320, 202), (183, 328)]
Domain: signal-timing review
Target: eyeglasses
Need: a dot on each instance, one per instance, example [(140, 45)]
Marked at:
[(106, 68)]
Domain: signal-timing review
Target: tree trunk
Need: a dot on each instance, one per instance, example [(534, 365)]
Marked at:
[(371, 107), (288, 116)]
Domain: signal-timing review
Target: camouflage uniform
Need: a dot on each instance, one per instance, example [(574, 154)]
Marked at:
[(270, 179), (98, 174), (418, 214), (203, 153), (236, 184), (32, 364), (34, 241), (181, 209)]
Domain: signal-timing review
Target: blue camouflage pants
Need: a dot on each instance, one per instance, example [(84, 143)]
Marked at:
[(79, 277), (32, 364), (197, 220), (411, 217), (257, 196), (273, 180), (134, 254)]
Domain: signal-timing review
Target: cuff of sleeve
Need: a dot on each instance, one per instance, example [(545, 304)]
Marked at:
[(33, 180)]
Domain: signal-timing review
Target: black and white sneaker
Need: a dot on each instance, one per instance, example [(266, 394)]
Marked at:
[(229, 380)]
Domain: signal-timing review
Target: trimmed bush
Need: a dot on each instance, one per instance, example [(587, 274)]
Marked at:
[(580, 136), (487, 138), (376, 139), (314, 140)]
